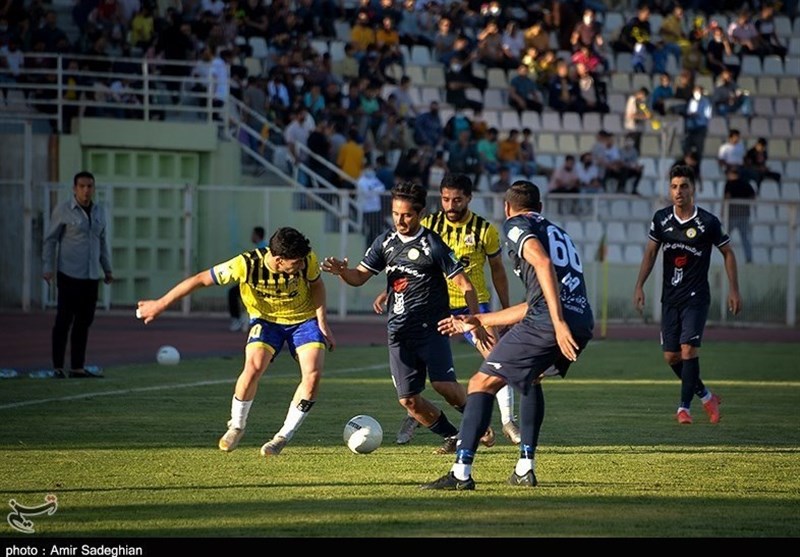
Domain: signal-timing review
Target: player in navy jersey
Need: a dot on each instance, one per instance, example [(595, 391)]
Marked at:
[(549, 330), (417, 264), (686, 234)]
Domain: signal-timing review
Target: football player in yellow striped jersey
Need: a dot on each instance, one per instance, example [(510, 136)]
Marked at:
[(284, 295), (475, 241)]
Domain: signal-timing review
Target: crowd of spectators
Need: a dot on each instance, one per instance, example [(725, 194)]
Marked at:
[(557, 55)]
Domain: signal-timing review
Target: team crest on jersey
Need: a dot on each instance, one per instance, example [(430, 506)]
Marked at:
[(469, 240), (514, 233), (691, 233), (413, 254)]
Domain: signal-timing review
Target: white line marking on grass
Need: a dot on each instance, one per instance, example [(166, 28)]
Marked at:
[(383, 366)]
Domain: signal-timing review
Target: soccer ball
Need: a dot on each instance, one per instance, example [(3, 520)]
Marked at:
[(168, 356), (362, 434)]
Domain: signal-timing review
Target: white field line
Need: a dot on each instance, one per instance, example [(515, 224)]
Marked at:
[(371, 368)]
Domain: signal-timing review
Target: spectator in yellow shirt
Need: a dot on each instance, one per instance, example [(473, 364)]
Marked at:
[(362, 34), (351, 157)]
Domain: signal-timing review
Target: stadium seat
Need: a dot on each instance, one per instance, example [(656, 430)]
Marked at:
[(615, 230), (751, 65), (637, 232), (593, 231), (783, 26), (532, 120), (651, 146), (568, 144), (759, 127), (791, 192), (492, 118), (497, 78), (621, 83), (259, 47), (623, 62), (780, 234), (586, 142), (254, 66), (342, 29), (748, 83), (785, 106), (791, 66), (416, 74), (765, 213), (762, 106), (709, 170), (575, 230), (430, 94), (718, 126), (779, 255), (546, 143), (794, 46), (616, 104), (790, 90), (741, 123), (772, 65), (475, 95), (767, 86), (551, 122), (495, 99), (571, 122), (761, 255), (320, 45), (592, 122), (434, 76), (612, 122), (778, 149), (639, 80), (762, 234), (641, 209), (509, 120), (421, 55), (633, 254), (769, 191), (612, 22), (614, 254), (781, 127), (336, 50)]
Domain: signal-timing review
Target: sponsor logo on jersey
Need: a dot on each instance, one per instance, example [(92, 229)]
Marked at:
[(469, 240), (691, 233), (413, 254), (514, 233)]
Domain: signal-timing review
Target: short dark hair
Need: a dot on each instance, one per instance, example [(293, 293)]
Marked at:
[(82, 174), (682, 171), (524, 194), (460, 182), (259, 232), (289, 243), (411, 192)]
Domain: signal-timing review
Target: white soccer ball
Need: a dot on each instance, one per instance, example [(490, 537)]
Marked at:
[(168, 356), (363, 434)]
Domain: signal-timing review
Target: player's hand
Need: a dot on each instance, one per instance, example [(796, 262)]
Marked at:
[(483, 339), (638, 299), (47, 277), (147, 310), (458, 324), (734, 302), (379, 304), (330, 340), (334, 266), (567, 344)]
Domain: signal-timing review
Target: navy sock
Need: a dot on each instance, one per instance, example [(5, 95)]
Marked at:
[(690, 376), (531, 416), (443, 427), (477, 417), (699, 387)]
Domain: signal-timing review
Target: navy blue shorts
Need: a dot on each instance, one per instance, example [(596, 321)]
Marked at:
[(299, 336), (682, 325), (525, 352), (412, 361)]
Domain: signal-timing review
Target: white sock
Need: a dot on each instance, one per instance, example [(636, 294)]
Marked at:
[(524, 465), (505, 402), (461, 471), (239, 411), (707, 396), (294, 417)]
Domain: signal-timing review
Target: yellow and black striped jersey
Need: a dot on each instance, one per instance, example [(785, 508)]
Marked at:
[(473, 240), (276, 297)]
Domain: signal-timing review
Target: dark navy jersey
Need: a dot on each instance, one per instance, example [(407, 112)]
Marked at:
[(567, 262), (415, 274), (686, 249)]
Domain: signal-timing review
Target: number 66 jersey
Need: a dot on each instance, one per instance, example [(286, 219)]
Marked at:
[(569, 270)]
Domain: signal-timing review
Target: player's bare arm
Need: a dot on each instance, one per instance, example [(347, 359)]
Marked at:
[(319, 298), (458, 324), (734, 298), (338, 267), (499, 279), (483, 340), (379, 303), (648, 260), (148, 310), (534, 253)]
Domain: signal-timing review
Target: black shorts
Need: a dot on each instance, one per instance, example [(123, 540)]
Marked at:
[(682, 325), (525, 352), (412, 361)]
